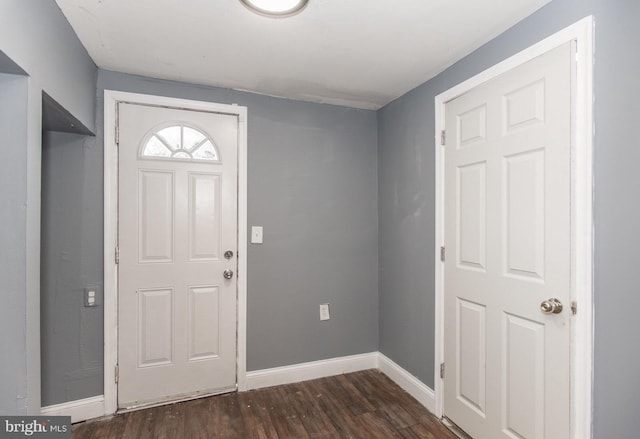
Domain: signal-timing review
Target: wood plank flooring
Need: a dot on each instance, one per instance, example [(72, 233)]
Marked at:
[(363, 404)]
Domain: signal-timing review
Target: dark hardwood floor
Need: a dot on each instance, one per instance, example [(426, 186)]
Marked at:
[(363, 404)]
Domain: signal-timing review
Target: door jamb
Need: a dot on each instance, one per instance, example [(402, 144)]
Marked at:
[(111, 99), (582, 240)]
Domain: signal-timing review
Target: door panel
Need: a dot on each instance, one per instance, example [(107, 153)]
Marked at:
[(177, 216), (155, 327), (471, 354), (471, 218), (155, 216), (524, 207), (508, 240), (524, 377), (204, 217), (204, 332)]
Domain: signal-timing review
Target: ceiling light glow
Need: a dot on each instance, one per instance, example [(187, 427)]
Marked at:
[(275, 8)]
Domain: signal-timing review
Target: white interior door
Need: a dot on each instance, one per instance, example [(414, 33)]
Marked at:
[(508, 250), (177, 218)]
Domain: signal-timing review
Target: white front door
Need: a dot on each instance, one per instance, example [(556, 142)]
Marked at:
[(508, 250), (177, 217)]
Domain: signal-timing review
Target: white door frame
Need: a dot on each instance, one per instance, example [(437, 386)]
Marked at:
[(111, 98), (581, 215)]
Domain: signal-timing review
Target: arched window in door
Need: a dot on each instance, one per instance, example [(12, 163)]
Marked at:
[(179, 142)]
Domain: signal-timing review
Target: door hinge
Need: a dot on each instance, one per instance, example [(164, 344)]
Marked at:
[(442, 253), (117, 254), (442, 370), (574, 307), (117, 373), (117, 135), (443, 137)]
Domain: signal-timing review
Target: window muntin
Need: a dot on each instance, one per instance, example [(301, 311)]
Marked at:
[(179, 142)]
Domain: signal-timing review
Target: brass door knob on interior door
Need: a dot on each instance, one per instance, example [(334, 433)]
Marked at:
[(551, 306)]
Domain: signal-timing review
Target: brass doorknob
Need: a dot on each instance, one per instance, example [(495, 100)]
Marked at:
[(551, 306)]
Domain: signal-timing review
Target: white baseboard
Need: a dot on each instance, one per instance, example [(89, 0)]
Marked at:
[(412, 385), (89, 408), (79, 410), (336, 366), (310, 371)]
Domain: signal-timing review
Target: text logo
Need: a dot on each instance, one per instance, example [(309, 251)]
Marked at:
[(41, 427)]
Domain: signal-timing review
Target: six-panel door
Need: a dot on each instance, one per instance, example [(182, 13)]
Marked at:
[(508, 241), (177, 212)]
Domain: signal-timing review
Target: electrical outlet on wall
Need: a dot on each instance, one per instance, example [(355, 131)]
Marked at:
[(324, 311)]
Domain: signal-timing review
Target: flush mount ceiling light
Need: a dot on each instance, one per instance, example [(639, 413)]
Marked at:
[(275, 8)]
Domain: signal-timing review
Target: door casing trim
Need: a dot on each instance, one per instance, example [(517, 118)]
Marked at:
[(582, 240), (110, 302)]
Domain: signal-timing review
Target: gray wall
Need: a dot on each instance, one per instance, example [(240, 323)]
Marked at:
[(406, 186), (35, 39), (406, 205), (36, 36), (21, 107), (13, 167), (9, 67), (312, 186), (72, 348), (617, 217)]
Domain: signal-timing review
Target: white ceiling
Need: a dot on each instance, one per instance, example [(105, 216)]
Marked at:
[(358, 53)]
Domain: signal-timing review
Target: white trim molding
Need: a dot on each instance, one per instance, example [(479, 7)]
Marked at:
[(409, 383), (581, 213), (90, 408), (79, 410), (296, 373), (111, 99)]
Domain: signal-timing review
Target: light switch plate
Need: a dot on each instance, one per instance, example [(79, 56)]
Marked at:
[(256, 235), (324, 311)]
